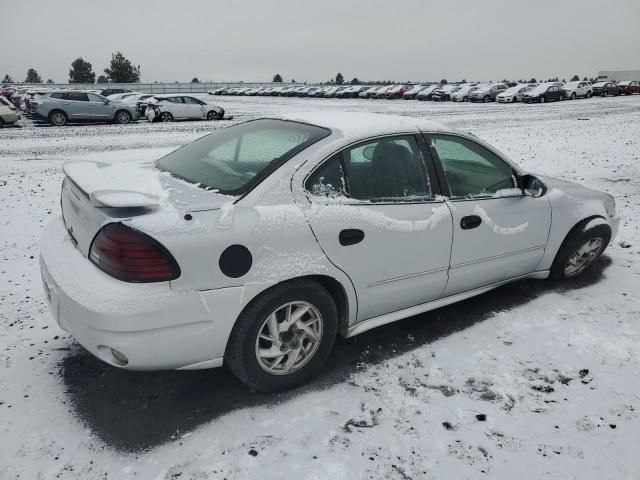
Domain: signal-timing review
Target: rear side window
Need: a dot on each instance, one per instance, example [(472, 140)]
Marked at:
[(58, 95), (78, 96), (235, 159), (387, 169)]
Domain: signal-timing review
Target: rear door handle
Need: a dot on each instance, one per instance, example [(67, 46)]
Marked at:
[(350, 236), (472, 221)]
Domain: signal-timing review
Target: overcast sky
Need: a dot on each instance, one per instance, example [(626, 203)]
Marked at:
[(251, 40)]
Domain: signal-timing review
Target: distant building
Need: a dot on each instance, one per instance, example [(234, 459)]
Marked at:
[(619, 75)]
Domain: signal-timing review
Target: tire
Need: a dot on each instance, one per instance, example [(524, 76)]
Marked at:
[(573, 96), (212, 115), (166, 117), (542, 99), (58, 118), (122, 117), (565, 265), (605, 93), (486, 99), (514, 100), (589, 94), (252, 333), (465, 99)]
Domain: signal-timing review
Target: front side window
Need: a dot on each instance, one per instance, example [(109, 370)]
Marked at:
[(234, 159), (386, 169), (470, 169), (96, 98)]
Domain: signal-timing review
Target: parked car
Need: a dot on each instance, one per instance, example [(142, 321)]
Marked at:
[(573, 90), (139, 101), (112, 91), (515, 94), (629, 87), (8, 114), (443, 93), (487, 93), (396, 92), (368, 92), (462, 95), (605, 89), (167, 108), (217, 91), (545, 92), (352, 92), (413, 92), (189, 262), (60, 108), (426, 93), (382, 92)]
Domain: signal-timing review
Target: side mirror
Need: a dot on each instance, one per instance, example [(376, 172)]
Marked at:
[(106, 102), (532, 186)]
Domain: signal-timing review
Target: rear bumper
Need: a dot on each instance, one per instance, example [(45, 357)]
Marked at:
[(155, 327)]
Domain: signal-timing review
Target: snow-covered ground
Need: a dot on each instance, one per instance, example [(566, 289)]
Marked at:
[(536, 379)]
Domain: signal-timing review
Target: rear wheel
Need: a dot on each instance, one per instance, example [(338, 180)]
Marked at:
[(514, 99), (589, 94), (542, 99), (283, 337), (58, 118), (573, 96), (580, 250), (166, 117), (122, 117), (465, 99), (486, 99)]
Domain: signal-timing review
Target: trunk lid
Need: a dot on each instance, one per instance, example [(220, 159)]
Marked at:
[(96, 193)]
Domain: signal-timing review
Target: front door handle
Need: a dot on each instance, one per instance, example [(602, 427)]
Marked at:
[(472, 221), (350, 236)]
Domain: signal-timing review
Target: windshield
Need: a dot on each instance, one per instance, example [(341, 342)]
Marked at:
[(233, 160), (600, 84)]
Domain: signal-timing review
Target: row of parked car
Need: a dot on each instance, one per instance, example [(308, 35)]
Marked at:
[(465, 92), (61, 106)]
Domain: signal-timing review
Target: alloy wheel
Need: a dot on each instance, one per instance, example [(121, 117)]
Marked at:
[(583, 256), (58, 119), (289, 338)]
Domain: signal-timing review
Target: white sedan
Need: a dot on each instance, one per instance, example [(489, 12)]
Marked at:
[(167, 108), (256, 245), (515, 93)]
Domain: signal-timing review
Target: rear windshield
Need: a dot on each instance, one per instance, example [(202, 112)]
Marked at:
[(235, 159)]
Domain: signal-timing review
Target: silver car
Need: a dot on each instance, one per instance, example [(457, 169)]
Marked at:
[(256, 245), (60, 108)]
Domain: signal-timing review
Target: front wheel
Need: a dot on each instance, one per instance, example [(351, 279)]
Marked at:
[(123, 117), (283, 337), (573, 96), (166, 117), (589, 94), (580, 250), (486, 99), (542, 99)]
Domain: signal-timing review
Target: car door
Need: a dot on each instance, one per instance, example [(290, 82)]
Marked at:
[(100, 108), (175, 106), (194, 108), (76, 105), (376, 214), (498, 232)]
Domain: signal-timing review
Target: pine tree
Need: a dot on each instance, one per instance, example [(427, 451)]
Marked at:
[(355, 81), (575, 78), (32, 76), (443, 81), (339, 79), (195, 80), (277, 78), (121, 70), (7, 79), (81, 72)]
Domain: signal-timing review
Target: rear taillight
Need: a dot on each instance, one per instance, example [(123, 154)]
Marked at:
[(132, 256)]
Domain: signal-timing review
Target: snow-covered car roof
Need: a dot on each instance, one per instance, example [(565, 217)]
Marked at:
[(357, 125)]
